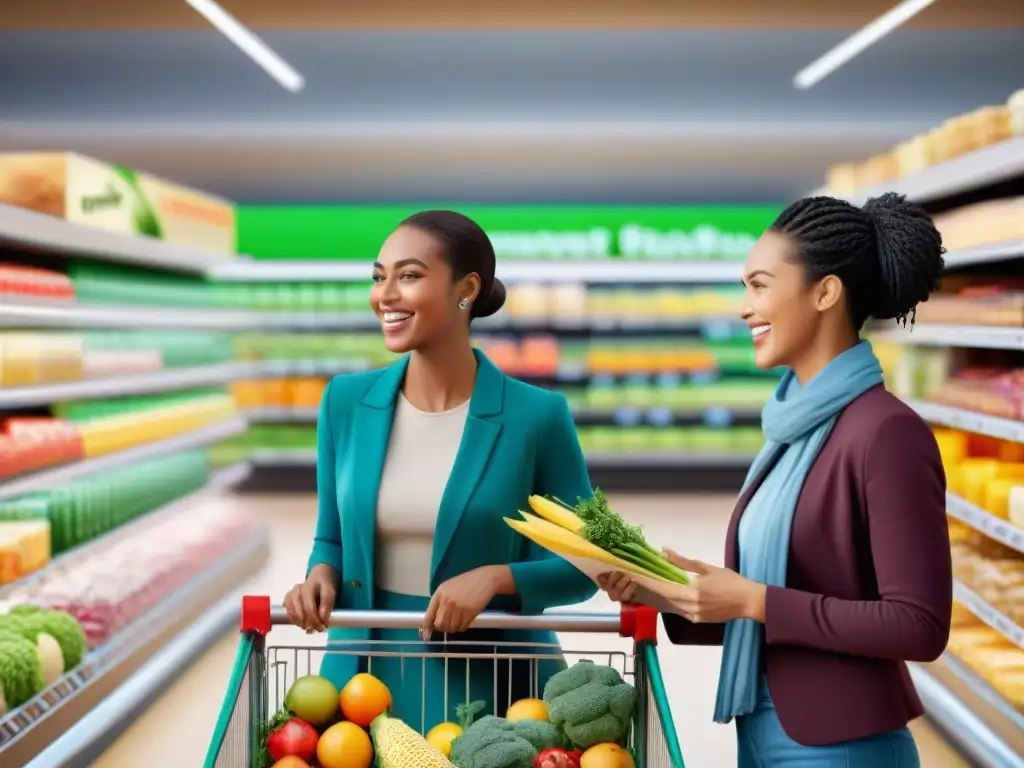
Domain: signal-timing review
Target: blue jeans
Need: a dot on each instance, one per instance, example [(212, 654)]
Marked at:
[(763, 744)]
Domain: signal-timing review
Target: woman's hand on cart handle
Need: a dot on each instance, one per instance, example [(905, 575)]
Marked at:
[(458, 601), (310, 603)]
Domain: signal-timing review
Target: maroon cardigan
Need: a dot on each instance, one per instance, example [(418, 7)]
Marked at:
[(869, 582)]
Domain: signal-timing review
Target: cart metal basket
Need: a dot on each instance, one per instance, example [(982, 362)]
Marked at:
[(262, 673)]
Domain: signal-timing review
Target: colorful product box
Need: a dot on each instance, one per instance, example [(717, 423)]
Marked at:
[(98, 194)]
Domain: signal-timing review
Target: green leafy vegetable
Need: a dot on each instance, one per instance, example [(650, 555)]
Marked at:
[(605, 528)]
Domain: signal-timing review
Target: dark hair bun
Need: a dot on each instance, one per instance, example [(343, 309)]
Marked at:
[(485, 306), (909, 250)]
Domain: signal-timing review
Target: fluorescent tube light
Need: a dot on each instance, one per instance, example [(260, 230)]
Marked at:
[(250, 44), (855, 44)]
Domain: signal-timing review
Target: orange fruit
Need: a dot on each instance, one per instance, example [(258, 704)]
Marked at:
[(441, 737), (291, 761), (527, 709), (363, 698), (606, 756), (344, 745)]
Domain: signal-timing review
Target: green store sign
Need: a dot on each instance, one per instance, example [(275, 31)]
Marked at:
[(519, 232)]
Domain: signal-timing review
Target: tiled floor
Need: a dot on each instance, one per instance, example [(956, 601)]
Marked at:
[(175, 732)]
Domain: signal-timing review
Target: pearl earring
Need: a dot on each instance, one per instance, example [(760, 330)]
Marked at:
[(463, 303)]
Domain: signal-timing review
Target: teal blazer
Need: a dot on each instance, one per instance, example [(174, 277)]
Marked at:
[(518, 440)]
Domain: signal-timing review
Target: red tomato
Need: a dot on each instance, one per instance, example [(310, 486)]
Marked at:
[(553, 757), (294, 738)]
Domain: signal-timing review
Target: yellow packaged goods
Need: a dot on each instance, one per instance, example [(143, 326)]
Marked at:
[(963, 618), (962, 639), (1010, 686), (24, 548), (1016, 105), (97, 194)]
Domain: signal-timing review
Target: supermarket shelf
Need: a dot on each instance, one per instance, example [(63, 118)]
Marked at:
[(37, 733), (301, 458), (282, 415), (27, 230), (625, 416), (973, 602), (984, 254), (969, 421), (606, 271), (991, 165), (221, 480), (48, 478), (669, 461), (18, 313), (975, 719), (976, 336), (1004, 532), (133, 384), (297, 458)]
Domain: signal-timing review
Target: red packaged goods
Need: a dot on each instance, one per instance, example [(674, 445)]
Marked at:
[(37, 442), (19, 280), (10, 461)]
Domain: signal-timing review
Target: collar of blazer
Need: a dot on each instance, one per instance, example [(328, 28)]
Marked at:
[(371, 431), (488, 392)]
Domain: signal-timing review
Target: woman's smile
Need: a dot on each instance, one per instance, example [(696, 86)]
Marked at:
[(759, 333), (393, 322)]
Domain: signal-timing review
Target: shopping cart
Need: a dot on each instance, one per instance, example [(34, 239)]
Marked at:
[(262, 673)]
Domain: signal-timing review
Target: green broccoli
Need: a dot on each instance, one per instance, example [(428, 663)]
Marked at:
[(543, 735), (492, 742), (21, 672), (591, 704)]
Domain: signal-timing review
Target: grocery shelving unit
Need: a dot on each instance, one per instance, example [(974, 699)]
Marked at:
[(28, 733), (976, 718), (60, 475), (36, 733)]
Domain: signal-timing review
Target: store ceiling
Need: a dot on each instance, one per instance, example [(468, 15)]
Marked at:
[(558, 115), (466, 14)]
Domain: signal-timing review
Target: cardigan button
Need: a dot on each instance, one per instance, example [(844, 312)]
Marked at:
[(356, 583)]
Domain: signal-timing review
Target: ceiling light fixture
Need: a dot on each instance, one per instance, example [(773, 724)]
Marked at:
[(855, 44), (250, 44)]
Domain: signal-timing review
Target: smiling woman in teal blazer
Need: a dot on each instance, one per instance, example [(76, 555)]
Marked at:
[(440, 444)]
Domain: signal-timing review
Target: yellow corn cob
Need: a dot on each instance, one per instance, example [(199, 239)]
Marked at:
[(556, 513), (562, 542), (399, 746)]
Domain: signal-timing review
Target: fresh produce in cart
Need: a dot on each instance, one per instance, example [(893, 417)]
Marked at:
[(312, 699), (607, 756), (592, 530), (289, 736), (397, 746), (442, 735), (584, 718), (527, 709), (591, 704), (363, 698)]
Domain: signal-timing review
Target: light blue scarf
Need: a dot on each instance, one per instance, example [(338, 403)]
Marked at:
[(800, 418)]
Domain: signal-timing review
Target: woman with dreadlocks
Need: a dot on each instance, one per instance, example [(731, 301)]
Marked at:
[(837, 555)]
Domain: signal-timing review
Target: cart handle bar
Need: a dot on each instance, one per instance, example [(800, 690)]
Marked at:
[(639, 622)]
